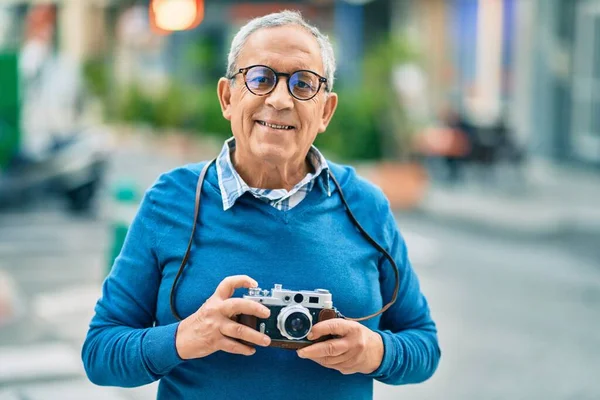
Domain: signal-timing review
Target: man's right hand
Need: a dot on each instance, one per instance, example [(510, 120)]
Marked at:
[(212, 328)]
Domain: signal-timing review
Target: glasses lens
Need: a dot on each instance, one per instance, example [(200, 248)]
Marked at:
[(304, 84), (260, 80)]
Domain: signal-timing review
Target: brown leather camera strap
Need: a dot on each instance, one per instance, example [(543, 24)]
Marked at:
[(350, 214)]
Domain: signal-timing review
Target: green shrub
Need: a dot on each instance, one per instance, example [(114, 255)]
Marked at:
[(173, 108), (369, 122), (96, 77), (136, 107), (353, 132), (209, 118)]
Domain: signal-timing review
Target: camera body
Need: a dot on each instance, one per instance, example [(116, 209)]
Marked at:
[(293, 314)]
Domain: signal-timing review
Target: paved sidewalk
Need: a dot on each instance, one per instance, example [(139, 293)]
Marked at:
[(75, 389), (553, 200)]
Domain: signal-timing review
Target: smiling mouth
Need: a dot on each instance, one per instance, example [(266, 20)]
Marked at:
[(273, 126)]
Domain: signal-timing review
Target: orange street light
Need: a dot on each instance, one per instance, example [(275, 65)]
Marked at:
[(175, 15)]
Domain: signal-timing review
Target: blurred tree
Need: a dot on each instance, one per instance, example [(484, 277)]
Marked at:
[(394, 126), (203, 56), (96, 75), (353, 132), (370, 122), (136, 107), (210, 119)]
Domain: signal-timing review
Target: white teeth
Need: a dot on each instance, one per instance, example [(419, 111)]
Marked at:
[(275, 126)]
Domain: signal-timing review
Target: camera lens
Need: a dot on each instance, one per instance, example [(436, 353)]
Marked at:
[(297, 325), (294, 322)]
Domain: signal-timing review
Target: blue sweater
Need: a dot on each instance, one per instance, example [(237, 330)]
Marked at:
[(131, 340)]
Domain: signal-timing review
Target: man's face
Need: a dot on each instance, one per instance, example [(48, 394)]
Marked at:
[(284, 49)]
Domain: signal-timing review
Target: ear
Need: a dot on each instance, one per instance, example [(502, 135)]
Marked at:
[(224, 93), (330, 106)]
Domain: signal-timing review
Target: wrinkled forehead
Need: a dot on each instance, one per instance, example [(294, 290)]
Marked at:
[(286, 49)]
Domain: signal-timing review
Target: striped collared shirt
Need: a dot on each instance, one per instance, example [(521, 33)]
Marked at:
[(233, 186)]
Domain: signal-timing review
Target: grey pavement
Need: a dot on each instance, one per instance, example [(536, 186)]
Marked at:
[(546, 199), (517, 316)]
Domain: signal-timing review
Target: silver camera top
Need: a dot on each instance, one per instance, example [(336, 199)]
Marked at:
[(318, 298)]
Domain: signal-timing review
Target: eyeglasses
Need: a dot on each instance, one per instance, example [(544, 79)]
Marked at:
[(262, 80)]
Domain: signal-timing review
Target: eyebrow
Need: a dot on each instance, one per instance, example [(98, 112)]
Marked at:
[(297, 67), (304, 66)]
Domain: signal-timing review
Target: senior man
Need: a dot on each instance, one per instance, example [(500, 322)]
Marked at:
[(273, 210)]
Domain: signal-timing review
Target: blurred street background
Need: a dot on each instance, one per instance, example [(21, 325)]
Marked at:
[(480, 120)]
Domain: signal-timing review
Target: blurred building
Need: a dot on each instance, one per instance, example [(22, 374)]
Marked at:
[(80, 24), (533, 62), (351, 24), (564, 76)]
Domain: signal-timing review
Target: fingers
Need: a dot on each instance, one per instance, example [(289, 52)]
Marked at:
[(329, 348), (336, 361), (239, 331), (238, 306), (335, 354), (228, 285), (235, 347), (336, 327)]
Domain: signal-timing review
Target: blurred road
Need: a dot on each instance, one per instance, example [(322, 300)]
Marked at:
[(518, 317)]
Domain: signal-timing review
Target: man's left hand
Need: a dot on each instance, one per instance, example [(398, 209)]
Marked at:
[(356, 348)]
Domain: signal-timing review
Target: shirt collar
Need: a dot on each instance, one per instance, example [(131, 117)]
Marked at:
[(233, 186)]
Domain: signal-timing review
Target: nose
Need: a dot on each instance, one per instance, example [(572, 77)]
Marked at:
[(280, 98)]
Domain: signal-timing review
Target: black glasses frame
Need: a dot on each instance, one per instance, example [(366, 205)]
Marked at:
[(244, 72)]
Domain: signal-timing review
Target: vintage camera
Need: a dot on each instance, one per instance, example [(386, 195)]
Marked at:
[(293, 314)]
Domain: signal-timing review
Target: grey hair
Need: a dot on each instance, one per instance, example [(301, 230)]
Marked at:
[(273, 20)]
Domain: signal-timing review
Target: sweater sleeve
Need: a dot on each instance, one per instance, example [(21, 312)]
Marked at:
[(122, 347), (411, 349)]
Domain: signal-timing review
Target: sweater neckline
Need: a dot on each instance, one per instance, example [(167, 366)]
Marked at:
[(318, 193), (312, 198)]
